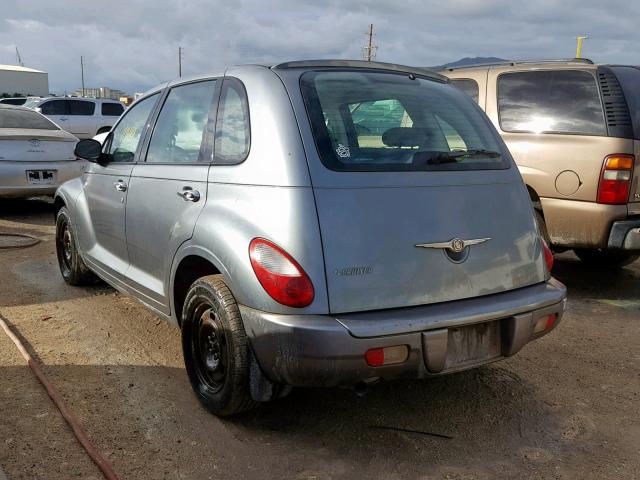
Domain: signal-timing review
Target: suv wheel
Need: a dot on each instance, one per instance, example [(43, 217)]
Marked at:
[(72, 267), (605, 258), (215, 347)]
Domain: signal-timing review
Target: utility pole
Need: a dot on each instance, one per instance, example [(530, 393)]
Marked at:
[(369, 50), (180, 61), (580, 39), (82, 73)]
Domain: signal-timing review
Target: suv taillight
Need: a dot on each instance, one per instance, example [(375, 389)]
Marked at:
[(615, 179), (280, 275)]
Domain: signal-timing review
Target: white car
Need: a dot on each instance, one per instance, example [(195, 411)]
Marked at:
[(83, 117), (36, 155)]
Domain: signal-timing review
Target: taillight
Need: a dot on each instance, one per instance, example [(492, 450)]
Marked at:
[(279, 274), (548, 255), (615, 179)]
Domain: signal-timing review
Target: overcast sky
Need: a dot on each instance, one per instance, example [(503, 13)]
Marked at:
[(132, 45)]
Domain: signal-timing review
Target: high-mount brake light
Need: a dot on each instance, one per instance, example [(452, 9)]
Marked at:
[(280, 275), (615, 179)]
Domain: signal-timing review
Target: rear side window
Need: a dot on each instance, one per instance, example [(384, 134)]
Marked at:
[(81, 107), (372, 121), (54, 107), (112, 109), (560, 101), (13, 101), (468, 86), (178, 134), (233, 132), (629, 78), (13, 118)]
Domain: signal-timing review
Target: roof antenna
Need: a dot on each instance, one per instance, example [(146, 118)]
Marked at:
[(19, 58)]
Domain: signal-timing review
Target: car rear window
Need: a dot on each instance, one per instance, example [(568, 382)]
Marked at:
[(112, 109), (375, 121), (468, 86), (629, 78), (14, 118), (554, 101)]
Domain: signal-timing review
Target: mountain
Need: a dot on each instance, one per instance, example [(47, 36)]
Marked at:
[(463, 62)]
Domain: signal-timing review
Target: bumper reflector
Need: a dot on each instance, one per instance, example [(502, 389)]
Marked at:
[(376, 357), (545, 323)]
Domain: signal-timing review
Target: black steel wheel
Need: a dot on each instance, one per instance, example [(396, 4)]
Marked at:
[(72, 267), (215, 347)]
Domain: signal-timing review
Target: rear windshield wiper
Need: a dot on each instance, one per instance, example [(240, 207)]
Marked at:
[(451, 157)]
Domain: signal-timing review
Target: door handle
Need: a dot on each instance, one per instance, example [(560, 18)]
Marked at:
[(64, 119), (189, 195), (120, 186)]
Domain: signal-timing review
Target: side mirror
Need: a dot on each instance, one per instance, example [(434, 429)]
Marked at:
[(89, 149)]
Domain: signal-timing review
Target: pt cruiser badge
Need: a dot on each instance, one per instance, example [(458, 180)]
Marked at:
[(456, 245)]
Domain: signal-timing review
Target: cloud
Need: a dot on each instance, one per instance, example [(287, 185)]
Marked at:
[(133, 45)]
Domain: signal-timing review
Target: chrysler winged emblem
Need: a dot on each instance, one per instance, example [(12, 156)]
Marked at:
[(456, 245)]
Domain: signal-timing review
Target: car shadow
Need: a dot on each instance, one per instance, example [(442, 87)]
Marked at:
[(37, 211), (584, 281)]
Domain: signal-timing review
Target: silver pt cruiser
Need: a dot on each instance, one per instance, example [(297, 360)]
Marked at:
[(313, 223)]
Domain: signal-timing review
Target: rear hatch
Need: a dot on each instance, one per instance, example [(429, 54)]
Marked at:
[(406, 166), (36, 145)]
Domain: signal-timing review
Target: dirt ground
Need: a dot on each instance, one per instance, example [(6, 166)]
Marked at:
[(567, 406)]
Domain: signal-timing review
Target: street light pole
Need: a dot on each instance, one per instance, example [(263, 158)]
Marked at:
[(82, 73)]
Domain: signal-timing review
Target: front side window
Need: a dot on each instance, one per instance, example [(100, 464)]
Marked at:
[(468, 86), (14, 118), (125, 137), (54, 107), (112, 109), (81, 107), (232, 139), (371, 121), (559, 101), (178, 134)]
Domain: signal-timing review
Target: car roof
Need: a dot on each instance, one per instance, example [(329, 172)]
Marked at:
[(14, 107), (584, 62), (109, 100)]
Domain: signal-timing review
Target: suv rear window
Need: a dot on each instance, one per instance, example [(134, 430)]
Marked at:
[(112, 109), (555, 101), (468, 86), (374, 121), (13, 118)]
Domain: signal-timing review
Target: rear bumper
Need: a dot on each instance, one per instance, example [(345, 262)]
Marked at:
[(14, 182), (625, 235), (329, 350)]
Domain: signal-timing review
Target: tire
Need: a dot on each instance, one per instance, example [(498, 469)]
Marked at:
[(215, 348), (543, 227), (605, 258), (72, 267)]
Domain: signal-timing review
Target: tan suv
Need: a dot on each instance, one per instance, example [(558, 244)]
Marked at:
[(573, 128)]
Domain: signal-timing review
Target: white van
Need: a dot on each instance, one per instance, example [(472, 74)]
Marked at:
[(83, 117)]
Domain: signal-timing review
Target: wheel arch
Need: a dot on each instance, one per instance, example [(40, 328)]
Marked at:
[(190, 264)]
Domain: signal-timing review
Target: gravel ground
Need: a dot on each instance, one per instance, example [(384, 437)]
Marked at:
[(567, 406)]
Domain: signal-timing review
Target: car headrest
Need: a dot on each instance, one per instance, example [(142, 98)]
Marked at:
[(405, 137)]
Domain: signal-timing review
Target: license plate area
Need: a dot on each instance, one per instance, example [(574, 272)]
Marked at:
[(457, 348), (41, 177), (472, 344)]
